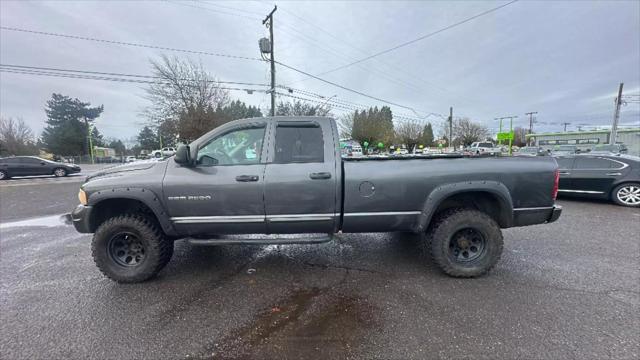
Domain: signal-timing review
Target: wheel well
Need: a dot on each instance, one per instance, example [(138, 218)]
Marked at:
[(109, 208), (483, 201)]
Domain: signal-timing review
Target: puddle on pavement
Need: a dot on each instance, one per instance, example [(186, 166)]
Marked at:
[(45, 221), (310, 323)]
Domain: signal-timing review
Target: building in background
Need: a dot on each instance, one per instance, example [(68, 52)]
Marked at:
[(585, 140)]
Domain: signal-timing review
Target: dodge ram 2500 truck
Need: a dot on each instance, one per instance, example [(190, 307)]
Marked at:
[(285, 175)]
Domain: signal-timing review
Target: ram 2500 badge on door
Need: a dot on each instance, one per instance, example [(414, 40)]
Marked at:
[(285, 175)]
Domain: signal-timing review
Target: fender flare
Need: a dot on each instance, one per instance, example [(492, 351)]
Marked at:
[(145, 196), (441, 193)]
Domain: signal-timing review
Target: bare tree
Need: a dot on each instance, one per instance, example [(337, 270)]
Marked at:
[(186, 95), (302, 108), (16, 138), (520, 136), (466, 132), (409, 132), (345, 125)]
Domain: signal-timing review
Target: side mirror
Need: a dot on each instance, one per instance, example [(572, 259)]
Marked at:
[(183, 155)]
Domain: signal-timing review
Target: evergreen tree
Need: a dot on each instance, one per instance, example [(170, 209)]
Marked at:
[(373, 126), (118, 146), (427, 135), (237, 110), (96, 138), (67, 120), (148, 139)]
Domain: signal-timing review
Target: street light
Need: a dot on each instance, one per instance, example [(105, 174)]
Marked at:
[(331, 97)]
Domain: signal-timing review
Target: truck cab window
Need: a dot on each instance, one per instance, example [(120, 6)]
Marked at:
[(299, 144), (238, 147)]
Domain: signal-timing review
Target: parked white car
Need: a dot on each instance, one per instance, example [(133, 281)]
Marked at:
[(484, 148), (164, 152), (130, 158)]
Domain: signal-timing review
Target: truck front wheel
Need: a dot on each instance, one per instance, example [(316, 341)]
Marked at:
[(130, 248), (465, 242)]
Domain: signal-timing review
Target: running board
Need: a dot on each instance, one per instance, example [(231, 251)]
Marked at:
[(279, 240)]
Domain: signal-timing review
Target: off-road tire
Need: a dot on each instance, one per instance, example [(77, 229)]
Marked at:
[(4, 175), (448, 224), (60, 172), (157, 248), (621, 187)]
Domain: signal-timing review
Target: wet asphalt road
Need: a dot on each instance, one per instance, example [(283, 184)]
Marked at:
[(565, 290)]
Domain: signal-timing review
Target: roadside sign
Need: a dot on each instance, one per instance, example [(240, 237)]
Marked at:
[(506, 135)]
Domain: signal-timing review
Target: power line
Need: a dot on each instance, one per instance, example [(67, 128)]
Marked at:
[(127, 43), (123, 75), (300, 35), (104, 78), (345, 88), (232, 8), (183, 3), (343, 106), (337, 53), (400, 70), (347, 103), (211, 54), (419, 38)]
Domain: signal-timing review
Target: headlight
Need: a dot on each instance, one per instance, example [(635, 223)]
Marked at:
[(82, 196)]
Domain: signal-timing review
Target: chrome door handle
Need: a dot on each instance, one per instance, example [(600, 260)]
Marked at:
[(320, 175), (247, 178), (614, 174), (564, 173)]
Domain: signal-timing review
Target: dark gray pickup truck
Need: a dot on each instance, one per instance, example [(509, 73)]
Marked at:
[(285, 175)]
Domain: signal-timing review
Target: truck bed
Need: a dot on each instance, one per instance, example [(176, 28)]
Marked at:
[(402, 188)]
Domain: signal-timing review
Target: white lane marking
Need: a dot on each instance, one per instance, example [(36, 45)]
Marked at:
[(45, 221)]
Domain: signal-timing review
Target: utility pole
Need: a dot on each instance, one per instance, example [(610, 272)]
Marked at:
[(450, 126), (531, 120), (565, 125), (500, 129), (89, 140), (268, 21), (616, 115)]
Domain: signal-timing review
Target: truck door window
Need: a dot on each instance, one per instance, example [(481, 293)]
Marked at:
[(299, 144), (238, 147)]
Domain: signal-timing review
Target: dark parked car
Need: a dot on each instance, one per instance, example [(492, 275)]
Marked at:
[(614, 177), (31, 165), (609, 149), (284, 175)]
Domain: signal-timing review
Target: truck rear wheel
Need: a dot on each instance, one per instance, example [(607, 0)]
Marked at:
[(465, 242), (130, 248)]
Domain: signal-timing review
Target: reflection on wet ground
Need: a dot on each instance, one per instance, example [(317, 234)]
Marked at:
[(45, 221), (309, 323)]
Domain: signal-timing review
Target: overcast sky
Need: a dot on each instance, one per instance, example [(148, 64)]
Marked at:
[(562, 59)]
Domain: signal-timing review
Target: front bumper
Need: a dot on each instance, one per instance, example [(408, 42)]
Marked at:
[(533, 216), (80, 216)]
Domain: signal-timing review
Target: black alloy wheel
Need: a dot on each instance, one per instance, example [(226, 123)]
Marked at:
[(126, 249), (466, 245)]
